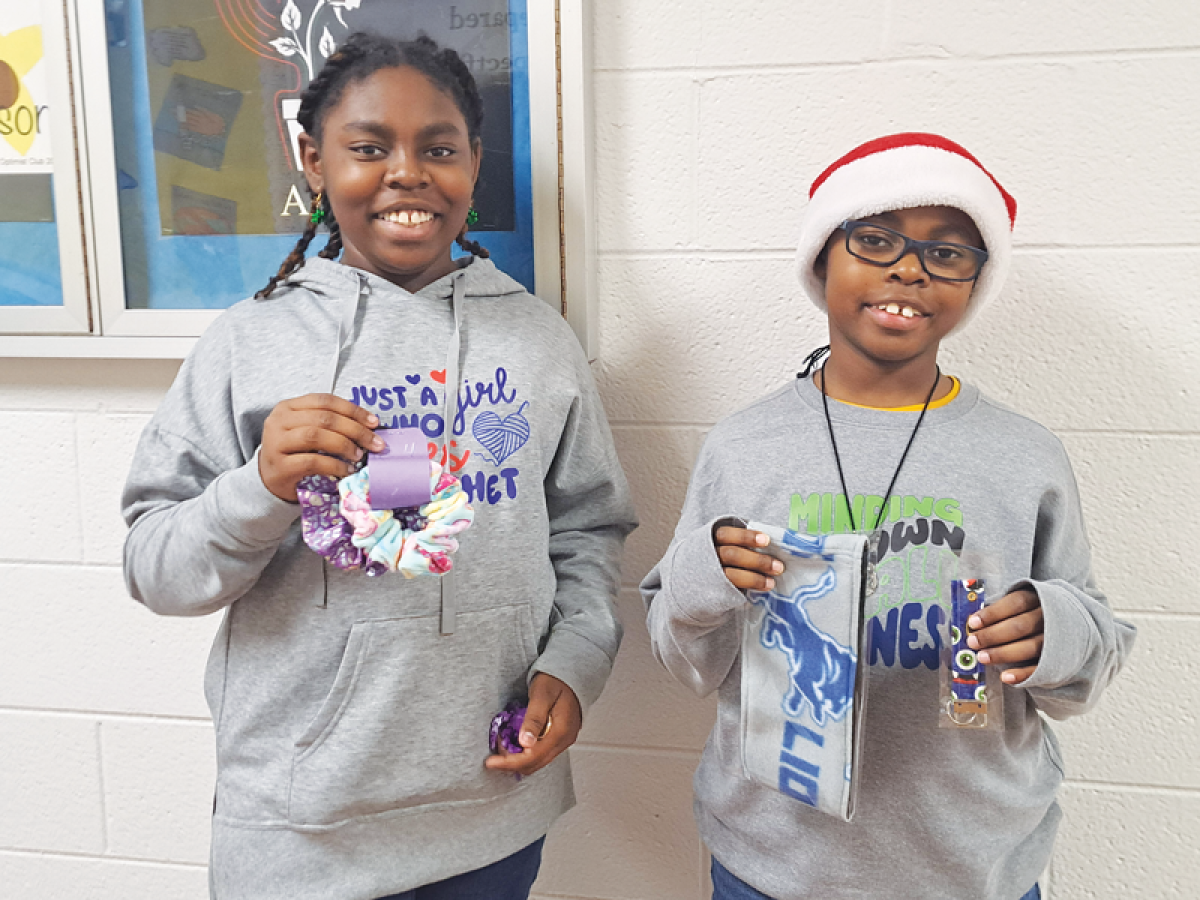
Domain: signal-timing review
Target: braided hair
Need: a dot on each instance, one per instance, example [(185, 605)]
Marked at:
[(361, 55)]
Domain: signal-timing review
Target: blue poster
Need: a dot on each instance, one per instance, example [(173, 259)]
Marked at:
[(212, 197)]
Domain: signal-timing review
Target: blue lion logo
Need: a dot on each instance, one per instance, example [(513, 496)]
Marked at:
[(806, 545), (821, 669)]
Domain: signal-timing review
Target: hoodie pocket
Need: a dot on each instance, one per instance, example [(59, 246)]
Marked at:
[(406, 721)]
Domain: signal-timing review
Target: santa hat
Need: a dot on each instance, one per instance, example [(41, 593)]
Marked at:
[(899, 172)]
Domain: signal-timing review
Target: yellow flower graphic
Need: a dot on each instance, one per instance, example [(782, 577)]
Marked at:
[(19, 52)]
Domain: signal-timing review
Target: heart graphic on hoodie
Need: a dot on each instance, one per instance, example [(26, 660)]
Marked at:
[(501, 437)]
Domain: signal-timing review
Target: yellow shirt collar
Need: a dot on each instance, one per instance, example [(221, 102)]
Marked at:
[(917, 407)]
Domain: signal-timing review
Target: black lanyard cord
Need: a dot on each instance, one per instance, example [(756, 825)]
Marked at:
[(810, 362)]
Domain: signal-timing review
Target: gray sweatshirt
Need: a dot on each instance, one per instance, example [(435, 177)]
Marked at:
[(942, 814), (350, 732)]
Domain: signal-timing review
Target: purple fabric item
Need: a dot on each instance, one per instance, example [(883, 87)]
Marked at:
[(399, 476), (506, 727), (322, 525)]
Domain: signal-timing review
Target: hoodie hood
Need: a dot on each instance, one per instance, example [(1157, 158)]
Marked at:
[(331, 278)]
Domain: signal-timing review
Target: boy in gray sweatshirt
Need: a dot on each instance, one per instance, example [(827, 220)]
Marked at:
[(903, 238)]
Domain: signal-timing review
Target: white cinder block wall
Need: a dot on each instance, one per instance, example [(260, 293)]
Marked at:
[(711, 120)]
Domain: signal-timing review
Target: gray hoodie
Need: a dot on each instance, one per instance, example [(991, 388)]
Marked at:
[(350, 731), (942, 813)]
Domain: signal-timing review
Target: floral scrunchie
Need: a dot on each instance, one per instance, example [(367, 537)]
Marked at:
[(338, 523)]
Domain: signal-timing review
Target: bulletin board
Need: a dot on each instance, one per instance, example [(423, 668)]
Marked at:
[(204, 99), (174, 189)]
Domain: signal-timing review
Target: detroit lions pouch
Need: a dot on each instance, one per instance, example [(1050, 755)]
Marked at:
[(803, 684)]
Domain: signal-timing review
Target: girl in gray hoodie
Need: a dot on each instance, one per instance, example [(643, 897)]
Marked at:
[(352, 713)]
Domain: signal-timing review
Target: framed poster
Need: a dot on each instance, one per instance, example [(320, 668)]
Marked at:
[(198, 192), (181, 193), (41, 250)]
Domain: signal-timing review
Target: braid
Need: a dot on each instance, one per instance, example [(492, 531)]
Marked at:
[(472, 247), (294, 260), (470, 103), (334, 247)]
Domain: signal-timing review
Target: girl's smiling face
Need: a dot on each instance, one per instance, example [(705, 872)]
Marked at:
[(896, 314), (398, 168)]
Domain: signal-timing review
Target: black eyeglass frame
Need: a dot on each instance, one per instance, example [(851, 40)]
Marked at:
[(921, 247)]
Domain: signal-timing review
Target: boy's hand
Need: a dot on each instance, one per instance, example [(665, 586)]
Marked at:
[(554, 714), (317, 434), (746, 569), (1009, 632)]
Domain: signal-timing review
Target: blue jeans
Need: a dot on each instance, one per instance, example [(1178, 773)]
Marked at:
[(509, 879), (727, 886)]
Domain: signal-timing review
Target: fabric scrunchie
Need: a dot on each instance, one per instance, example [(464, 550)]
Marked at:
[(338, 523)]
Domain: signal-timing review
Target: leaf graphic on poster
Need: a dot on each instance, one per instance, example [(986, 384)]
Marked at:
[(291, 18), (327, 45), (340, 5), (286, 46)]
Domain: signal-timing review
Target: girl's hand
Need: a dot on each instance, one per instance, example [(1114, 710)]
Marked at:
[(746, 569), (1009, 632), (317, 434), (554, 714)]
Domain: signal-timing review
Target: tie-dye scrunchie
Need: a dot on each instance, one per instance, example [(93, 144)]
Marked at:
[(338, 523)]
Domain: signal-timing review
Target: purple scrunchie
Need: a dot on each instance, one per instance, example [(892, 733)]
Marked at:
[(324, 527), (506, 727)]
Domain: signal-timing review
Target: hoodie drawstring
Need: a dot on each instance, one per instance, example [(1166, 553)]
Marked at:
[(345, 327), (449, 587), (449, 609)]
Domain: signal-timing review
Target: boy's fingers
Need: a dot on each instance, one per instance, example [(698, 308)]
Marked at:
[(1006, 631), (747, 570), (1006, 607), (1017, 676), (749, 581), (738, 558), (740, 537), (1016, 653)]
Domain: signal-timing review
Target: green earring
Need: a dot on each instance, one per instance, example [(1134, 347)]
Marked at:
[(318, 211), (472, 215)]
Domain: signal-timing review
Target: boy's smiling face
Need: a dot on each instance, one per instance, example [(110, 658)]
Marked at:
[(896, 314)]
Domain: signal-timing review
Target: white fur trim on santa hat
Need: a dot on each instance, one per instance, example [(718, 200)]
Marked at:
[(908, 170)]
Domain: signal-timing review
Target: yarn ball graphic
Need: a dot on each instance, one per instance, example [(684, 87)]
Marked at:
[(501, 437)]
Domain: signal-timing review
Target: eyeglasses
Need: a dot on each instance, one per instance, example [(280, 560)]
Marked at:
[(881, 246)]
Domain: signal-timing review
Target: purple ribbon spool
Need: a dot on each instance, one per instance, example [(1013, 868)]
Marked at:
[(399, 476)]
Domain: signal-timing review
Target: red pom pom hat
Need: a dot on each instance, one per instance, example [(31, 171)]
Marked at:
[(901, 171)]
